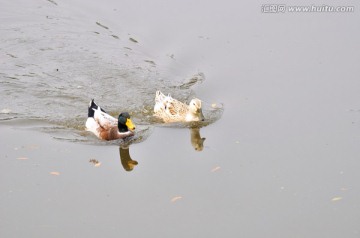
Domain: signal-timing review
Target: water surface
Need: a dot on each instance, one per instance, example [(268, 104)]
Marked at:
[(281, 161)]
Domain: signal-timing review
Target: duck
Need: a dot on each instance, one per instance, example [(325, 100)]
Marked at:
[(106, 127), (171, 110)]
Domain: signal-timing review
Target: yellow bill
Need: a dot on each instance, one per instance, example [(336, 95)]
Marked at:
[(130, 124)]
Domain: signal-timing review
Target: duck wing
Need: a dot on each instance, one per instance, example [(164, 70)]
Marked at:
[(159, 97), (104, 120), (176, 108)]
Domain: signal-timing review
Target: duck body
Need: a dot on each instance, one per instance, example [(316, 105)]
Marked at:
[(171, 110), (106, 127)]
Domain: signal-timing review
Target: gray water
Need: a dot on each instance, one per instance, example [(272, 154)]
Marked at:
[(56, 63), (281, 159)]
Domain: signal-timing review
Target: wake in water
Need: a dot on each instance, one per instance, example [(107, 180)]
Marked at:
[(58, 60), (71, 126)]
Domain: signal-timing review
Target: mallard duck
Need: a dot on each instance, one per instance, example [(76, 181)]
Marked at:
[(106, 127), (172, 110)]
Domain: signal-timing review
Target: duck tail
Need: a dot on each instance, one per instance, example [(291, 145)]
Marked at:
[(92, 107), (159, 96)]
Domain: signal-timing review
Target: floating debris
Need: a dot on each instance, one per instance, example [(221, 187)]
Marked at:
[(55, 173), (95, 162), (217, 168), (204, 37), (99, 24), (115, 36), (22, 158), (133, 40), (32, 147), (96, 32), (335, 199), (217, 106), (174, 199)]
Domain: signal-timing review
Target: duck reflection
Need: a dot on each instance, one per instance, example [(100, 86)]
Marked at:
[(196, 141), (125, 158)]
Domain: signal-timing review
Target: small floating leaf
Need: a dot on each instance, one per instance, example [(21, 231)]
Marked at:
[(174, 199), (216, 169), (95, 162), (334, 199), (22, 158), (32, 147)]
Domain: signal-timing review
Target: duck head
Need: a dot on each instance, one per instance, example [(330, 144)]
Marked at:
[(124, 122), (195, 111)]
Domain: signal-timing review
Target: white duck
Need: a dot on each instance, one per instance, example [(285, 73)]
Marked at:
[(171, 110)]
